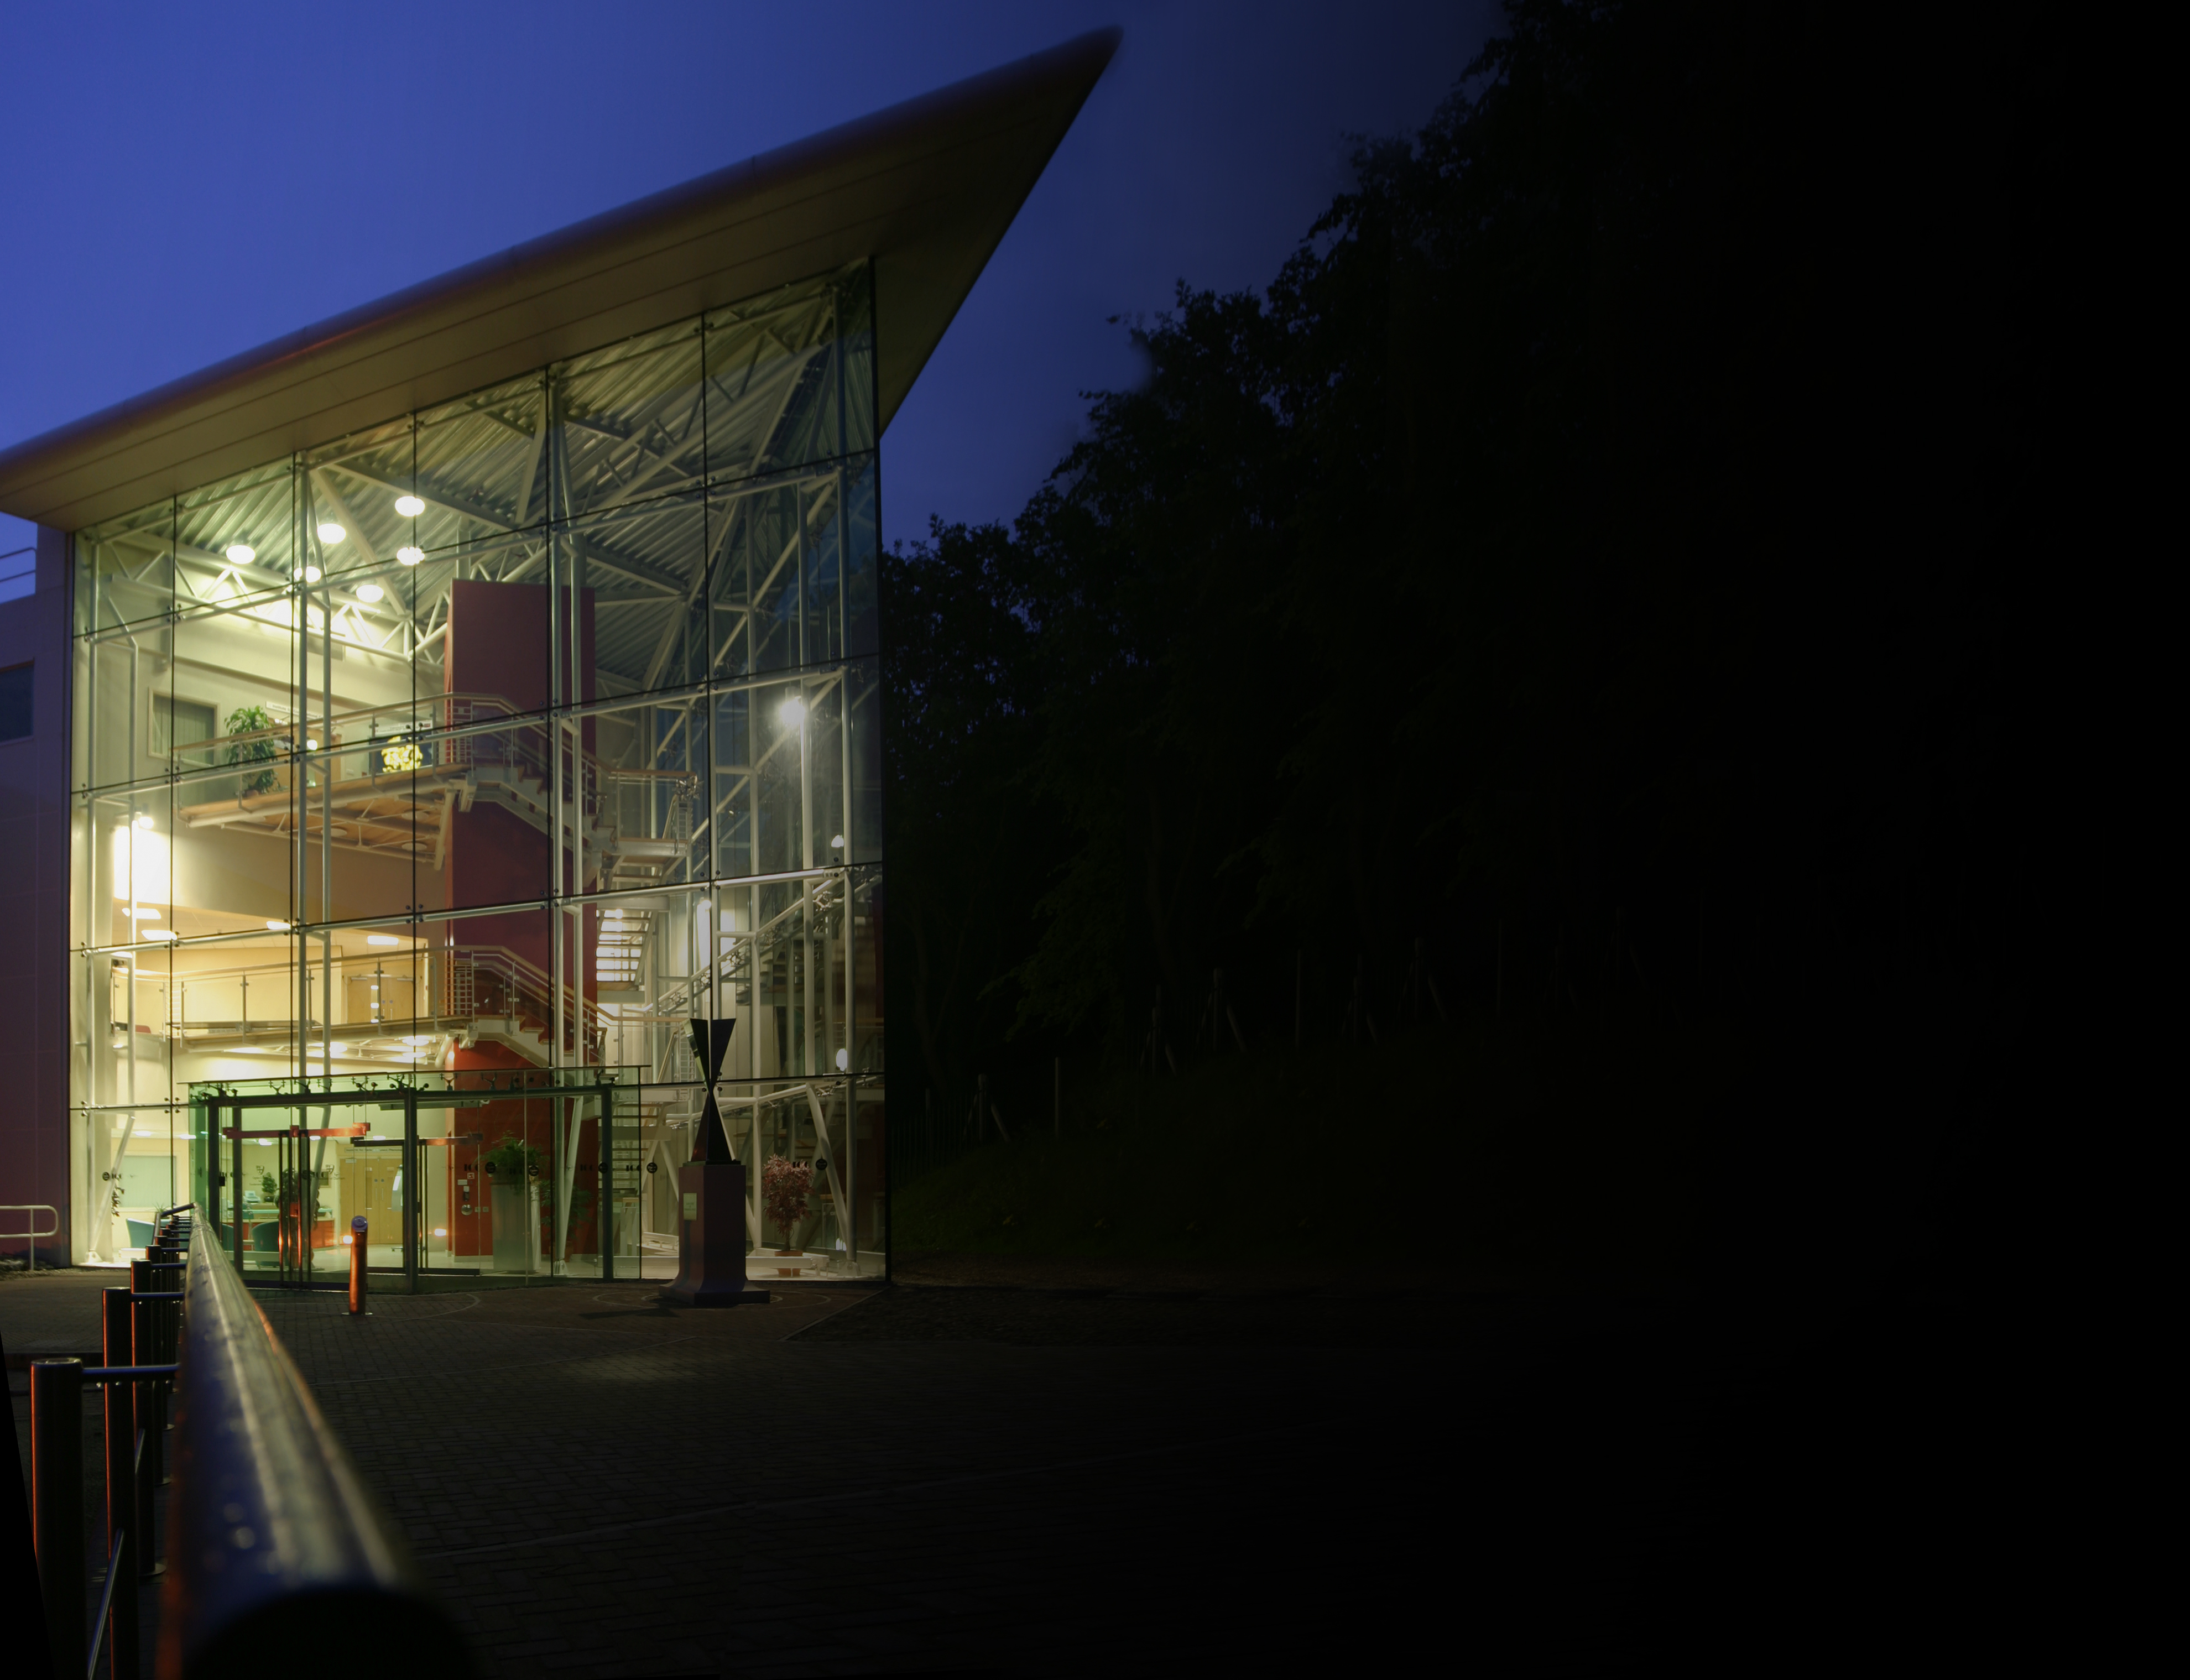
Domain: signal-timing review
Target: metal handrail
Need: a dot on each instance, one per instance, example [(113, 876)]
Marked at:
[(31, 1208), (270, 1527)]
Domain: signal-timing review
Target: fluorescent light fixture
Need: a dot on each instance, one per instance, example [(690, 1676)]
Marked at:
[(370, 592), (311, 574), (409, 507), (158, 934), (140, 913), (240, 554), (409, 555), (416, 1039), (330, 533), (338, 1048), (273, 927), (793, 712), (382, 939)]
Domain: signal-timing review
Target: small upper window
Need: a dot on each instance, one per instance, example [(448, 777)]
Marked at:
[(176, 723), (15, 701)]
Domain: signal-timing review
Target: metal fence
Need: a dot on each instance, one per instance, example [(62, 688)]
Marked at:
[(271, 1537)]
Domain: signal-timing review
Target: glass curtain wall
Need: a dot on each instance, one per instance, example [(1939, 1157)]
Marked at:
[(499, 740)]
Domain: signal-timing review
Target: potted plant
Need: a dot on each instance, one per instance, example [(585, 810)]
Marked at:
[(783, 1185), (513, 1168), (245, 720)]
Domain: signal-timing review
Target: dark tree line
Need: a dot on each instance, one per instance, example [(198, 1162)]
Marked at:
[(1601, 561)]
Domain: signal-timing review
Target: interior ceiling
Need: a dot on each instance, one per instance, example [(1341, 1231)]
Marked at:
[(926, 189)]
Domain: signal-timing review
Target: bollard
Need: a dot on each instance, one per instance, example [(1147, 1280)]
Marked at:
[(122, 1534), (57, 1505), (357, 1232)]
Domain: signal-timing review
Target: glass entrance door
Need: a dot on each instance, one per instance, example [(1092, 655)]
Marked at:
[(506, 1177)]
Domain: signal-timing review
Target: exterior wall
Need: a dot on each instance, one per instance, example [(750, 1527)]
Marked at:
[(34, 898), (335, 718)]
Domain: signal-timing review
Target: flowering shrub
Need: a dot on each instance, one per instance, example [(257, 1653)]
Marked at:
[(783, 1188)]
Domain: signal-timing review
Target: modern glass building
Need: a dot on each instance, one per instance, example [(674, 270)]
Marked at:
[(461, 697)]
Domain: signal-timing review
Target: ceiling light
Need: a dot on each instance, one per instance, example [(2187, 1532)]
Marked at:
[(311, 574), (793, 712), (277, 927), (414, 1040), (410, 556), (844, 1060), (142, 819), (338, 1048), (330, 533), (836, 841), (141, 913), (370, 592), (311, 745), (409, 507), (381, 939), (158, 932), (240, 554)]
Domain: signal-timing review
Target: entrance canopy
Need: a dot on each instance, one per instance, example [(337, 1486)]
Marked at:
[(925, 189)]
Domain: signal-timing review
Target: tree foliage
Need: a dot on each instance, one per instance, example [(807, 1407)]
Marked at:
[(1594, 562)]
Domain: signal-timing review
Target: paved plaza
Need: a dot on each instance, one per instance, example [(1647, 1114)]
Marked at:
[(1075, 1472)]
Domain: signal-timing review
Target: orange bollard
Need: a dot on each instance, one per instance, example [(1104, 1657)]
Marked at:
[(357, 1265)]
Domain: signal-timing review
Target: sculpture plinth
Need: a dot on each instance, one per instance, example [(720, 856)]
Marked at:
[(710, 1194), (710, 1246)]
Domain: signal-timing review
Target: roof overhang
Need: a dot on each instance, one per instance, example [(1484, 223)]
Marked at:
[(926, 189)]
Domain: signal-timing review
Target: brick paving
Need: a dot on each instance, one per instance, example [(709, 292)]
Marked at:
[(1154, 1473), (991, 1480)]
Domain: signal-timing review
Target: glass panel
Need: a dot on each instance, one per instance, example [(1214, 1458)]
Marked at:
[(776, 747), (137, 1174), (492, 792), (236, 539), (855, 328), (864, 680), (639, 573), (776, 384), (862, 561), (821, 503), (238, 663), (360, 506), (753, 593), (119, 676), (125, 568), (482, 467), (648, 765), (235, 1006), (493, 629), (628, 425), (230, 852)]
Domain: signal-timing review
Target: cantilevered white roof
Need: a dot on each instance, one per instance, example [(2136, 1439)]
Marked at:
[(926, 189)]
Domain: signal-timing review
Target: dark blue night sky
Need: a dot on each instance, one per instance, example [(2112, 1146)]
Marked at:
[(183, 183)]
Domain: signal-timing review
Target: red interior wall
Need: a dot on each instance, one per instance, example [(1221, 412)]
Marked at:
[(498, 644)]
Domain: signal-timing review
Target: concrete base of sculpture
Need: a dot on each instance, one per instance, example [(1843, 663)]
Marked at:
[(710, 1247)]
